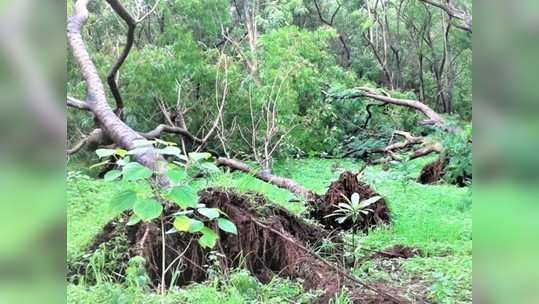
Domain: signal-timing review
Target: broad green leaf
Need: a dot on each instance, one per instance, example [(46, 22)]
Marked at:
[(210, 213), (208, 239), (120, 152), (196, 226), (135, 171), (104, 152), (182, 223), (133, 220), (176, 175), (123, 201), (369, 201), (184, 196), (355, 198), (227, 226), (196, 156), (112, 175), (170, 151), (147, 209), (123, 161)]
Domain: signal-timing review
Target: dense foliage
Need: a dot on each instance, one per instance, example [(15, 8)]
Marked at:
[(192, 55)]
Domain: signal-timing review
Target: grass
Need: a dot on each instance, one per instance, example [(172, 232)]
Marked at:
[(436, 219)]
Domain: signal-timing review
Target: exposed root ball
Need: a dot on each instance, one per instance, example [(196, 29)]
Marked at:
[(266, 246), (345, 186), (433, 172)]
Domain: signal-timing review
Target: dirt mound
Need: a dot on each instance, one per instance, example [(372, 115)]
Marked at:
[(433, 172), (343, 188), (268, 244)]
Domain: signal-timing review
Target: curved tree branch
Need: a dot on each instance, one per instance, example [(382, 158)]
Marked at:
[(111, 78), (464, 17), (433, 118)]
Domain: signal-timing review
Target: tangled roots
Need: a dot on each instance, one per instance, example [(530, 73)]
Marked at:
[(268, 244), (433, 172), (341, 190)]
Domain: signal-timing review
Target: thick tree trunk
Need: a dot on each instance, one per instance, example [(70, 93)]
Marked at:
[(96, 101)]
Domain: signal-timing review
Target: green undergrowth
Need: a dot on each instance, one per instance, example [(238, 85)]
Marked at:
[(437, 219)]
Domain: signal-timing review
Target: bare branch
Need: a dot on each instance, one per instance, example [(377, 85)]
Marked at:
[(160, 129), (281, 182), (139, 20), (454, 12), (111, 78), (433, 117), (78, 104)]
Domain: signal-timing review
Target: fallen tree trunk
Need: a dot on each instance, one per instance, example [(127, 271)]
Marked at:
[(409, 140), (426, 150), (281, 182), (96, 101)]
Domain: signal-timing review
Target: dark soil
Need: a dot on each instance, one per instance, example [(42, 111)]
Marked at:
[(267, 245), (433, 172), (345, 186)]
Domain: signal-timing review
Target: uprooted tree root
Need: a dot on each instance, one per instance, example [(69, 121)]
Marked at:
[(433, 172), (268, 244), (341, 190)]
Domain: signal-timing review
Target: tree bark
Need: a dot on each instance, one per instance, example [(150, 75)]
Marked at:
[(96, 101), (281, 182)]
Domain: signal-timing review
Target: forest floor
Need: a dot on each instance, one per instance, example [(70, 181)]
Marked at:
[(435, 219)]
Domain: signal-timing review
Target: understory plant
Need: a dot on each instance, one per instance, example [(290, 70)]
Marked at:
[(144, 199), (353, 210)]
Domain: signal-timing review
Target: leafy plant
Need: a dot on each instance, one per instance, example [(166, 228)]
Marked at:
[(353, 211), (145, 200)]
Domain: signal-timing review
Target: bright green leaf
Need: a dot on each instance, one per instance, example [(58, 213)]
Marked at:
[(120, 152), (196, 226), (184, 196), (135, 171), (176, 175), (147, 209), (170, 151), (112, 175), (133, 220), (208, 239), (123, 201), (182, 223), (210, 213), (227, 226), (101, 153)]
